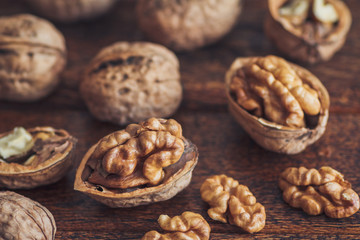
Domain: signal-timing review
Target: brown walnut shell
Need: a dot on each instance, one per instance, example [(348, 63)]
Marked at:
[(32, 54), (295, 45), (22, 218), (18, 176), (276, 137), (177, 177)]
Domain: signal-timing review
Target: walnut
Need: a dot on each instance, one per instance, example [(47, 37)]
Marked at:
[(282, 106), (130, 82), (308, 30), (188, 225), (318, 191), (32, 54), (229, 199), (144, 163), (187, 25), (34, 157), (22, 218)]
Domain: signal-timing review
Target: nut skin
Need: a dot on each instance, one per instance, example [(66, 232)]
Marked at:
[(297, 44), (18, 176), (71, 10), (130, 82), (32, 54), (273, 136), (186, 25), (22, 218)]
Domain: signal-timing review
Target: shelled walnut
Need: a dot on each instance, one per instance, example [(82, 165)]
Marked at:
[(32, 54), (188, 225), (308, 30), (34, 157), (187, 25), (282, 106), (318, 191), (144, 163), (22, 218), (230, 200), (130, 82)]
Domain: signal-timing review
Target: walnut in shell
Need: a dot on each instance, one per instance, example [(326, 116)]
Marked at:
[(71, 10), (22, 218), (144, 163), (308, 30), (187, 24), (130, 82), (34, 157), (318, 191), (188, 225), (32, 54), (282, 106)]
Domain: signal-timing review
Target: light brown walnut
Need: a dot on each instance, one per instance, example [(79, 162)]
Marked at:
[(319, 191), (188, 225), (230, 200)]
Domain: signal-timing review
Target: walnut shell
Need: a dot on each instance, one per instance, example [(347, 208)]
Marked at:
[(297, 46), (22, 218), (71, 10), (273, 136), (129, 82), (32, 54), (177, 177), (52, 168), (187, 25)]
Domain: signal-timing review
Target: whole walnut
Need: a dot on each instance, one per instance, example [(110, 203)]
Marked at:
[(22, 218), (187, 24), (71, 10), (129, 82), (32, 54)]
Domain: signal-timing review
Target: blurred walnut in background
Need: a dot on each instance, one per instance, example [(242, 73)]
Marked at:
[(187, 24)]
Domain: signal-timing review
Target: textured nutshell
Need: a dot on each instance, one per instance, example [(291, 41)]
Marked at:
[(71, 10), (187, 24), (144, 163), (130, 82), (282, 106), (299, 44), (53, 159), (32, 54), (22, 218)]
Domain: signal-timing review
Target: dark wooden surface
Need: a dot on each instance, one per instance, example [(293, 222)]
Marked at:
[(224, 147)]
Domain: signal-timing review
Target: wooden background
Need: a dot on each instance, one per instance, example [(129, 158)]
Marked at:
[(224, 147)]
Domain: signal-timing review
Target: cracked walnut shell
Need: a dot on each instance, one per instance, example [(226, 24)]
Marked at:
[(282, 106), (46, 161), (230, 200), (32, 54), (187, 25), (22, 218), (144, 163), (309, 31), (130, 82), (318, 191), (188, 225)]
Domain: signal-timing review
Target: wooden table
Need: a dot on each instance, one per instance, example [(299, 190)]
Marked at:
[(224, 147)]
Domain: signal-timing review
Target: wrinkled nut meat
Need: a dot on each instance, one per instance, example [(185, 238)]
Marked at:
[(318, 191), (308, 30), (144, 163), (187, 25), (71, 10), (130, 82), (34, 157), (32, 54), (188, 225), (22, 218), (282, 106), (230, 200)]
